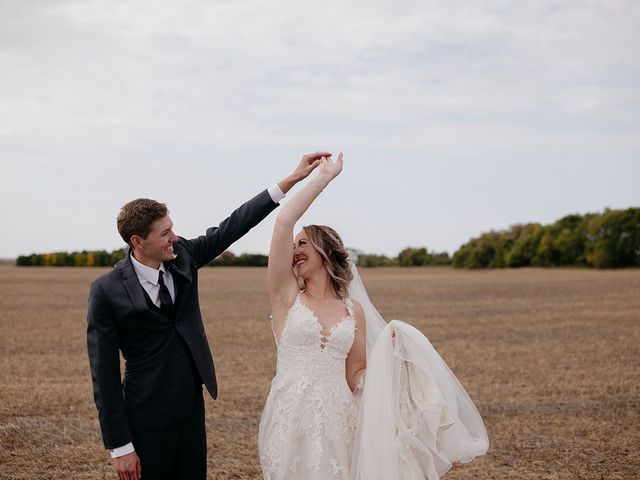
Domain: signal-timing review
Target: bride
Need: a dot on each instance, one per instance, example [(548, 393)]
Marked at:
[(353, 397)]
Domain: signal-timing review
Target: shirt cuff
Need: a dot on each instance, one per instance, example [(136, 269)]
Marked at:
[(275, 193), (124, 450)]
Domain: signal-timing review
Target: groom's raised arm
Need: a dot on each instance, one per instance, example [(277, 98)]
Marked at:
[(217, 239)]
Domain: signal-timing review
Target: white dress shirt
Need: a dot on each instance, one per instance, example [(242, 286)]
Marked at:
[(148, 278)]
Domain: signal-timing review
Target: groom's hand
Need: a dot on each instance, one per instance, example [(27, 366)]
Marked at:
[(128, 466), (308, 163)]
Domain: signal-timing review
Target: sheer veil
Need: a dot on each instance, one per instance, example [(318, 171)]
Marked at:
[(415, 417), (374, 322)]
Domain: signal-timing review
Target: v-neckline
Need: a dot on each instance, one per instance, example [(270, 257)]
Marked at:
[(325, 336)]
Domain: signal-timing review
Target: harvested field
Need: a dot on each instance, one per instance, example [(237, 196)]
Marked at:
[(550, 357)]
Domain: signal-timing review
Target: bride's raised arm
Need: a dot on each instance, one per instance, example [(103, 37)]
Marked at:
[(281, 282)]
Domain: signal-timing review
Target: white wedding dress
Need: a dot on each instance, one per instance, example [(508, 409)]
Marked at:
[(411, 420), (308, 424)]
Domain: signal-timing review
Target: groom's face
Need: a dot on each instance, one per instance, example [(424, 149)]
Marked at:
[(157, 246)]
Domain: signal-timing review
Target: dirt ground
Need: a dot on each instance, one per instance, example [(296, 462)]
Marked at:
[(550, 357)]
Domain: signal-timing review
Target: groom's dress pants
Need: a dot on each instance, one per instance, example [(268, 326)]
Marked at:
[(175, 452)]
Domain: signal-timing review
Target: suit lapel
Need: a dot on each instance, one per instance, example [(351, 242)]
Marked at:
[(183, 278), (177, 266), (132, 284)]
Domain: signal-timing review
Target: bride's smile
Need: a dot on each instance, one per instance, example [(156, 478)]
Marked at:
[(305, 257)]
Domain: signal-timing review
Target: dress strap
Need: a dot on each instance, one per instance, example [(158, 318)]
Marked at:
[(349, 303)]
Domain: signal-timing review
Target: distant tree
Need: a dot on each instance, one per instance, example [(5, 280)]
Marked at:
[(253, 260), (440, 259), (80, 259), (23, 261), (412, 257), (415, 257), (229, 259), (117, 255), (487, 251), (564, 242), (614, 239), (371, 260), (524, 245)]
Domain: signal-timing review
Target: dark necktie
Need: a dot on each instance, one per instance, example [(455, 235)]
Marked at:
[(166, 304)]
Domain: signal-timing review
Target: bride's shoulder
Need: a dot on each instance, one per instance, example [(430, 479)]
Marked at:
[(358, 311), (358, 316)]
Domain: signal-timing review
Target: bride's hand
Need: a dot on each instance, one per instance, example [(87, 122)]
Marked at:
[(329, 167)]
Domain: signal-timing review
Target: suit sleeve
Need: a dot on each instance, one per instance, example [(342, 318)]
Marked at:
[(217, 239), (104, 360)]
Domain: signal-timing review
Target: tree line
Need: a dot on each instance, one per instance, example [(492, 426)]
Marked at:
[(409, 257), (97, 258), (102, 258), (601, 240)]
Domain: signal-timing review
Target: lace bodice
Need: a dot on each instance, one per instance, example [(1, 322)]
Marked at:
[(310, 407), (303, 331)]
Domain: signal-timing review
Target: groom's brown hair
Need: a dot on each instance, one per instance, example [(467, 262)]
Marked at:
[(137, 216)]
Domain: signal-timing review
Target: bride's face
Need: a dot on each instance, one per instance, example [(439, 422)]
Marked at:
[(306, 258)]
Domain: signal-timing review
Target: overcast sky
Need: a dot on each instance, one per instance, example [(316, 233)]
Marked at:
[(455, 117)]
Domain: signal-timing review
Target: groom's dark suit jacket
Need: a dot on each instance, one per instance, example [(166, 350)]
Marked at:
[(167, 357)]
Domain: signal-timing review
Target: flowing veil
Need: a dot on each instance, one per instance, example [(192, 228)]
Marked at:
[(415, 417)]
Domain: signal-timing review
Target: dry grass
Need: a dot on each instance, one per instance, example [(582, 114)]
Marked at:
[(551, 358)]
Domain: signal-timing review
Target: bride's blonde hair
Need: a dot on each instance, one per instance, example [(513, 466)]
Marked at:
[(336, 259)]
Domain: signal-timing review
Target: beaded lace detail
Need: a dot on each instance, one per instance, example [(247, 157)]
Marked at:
[(308, 423)]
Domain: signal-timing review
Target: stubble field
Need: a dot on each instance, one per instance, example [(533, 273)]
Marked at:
[(550, 357)]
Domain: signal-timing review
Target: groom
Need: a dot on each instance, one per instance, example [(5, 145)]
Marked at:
[(147, 308)]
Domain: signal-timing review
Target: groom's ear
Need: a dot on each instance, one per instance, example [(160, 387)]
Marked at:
[(135, 241)]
